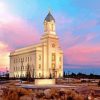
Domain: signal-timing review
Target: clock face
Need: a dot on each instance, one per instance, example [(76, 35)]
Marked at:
[(53, 45)]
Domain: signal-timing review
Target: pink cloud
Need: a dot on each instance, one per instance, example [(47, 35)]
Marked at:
[(62, 19), (19, 33), (70, 40), (15, 32), (87, 24), (4, 56), (83, 55)]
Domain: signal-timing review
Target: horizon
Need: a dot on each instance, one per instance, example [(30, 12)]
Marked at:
[(77, 26)]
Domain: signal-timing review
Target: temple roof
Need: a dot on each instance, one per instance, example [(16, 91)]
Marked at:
[(49, 17)]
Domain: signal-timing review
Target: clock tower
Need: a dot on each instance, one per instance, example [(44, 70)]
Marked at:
[(52, 53), (49, 24)]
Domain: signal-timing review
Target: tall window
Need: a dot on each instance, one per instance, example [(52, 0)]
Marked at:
[(23, 59), (39, 74), (60, 67), (39, 66), (22, 67), (39, 57), (53, 57), (26, 58), (30, 58), (16, 68), (53, 66), (14, 60), (59, 74), (59, 58), (19, 59)]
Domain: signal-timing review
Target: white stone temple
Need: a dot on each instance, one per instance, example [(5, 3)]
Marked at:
[(43, 60)]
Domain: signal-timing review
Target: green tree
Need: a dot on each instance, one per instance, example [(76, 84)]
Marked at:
[(64, 75)]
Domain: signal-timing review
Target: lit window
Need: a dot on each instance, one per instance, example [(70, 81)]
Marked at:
[(39, 74), (14, 60), (60, 66), (53, 66), (39, 57), (30, 58), (23, 75), (39, 66), (23, 67), (59, 74), (53, 56), (59, 58)]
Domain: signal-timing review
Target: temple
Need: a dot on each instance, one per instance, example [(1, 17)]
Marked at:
[(43, 60)]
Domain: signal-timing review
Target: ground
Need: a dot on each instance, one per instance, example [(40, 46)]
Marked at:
[(63, 90)]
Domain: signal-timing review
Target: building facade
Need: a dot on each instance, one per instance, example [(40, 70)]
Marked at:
[(43, 60)]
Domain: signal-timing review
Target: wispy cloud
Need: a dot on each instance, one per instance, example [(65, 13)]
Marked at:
[(16, 31), (4, 55), (83, 55)]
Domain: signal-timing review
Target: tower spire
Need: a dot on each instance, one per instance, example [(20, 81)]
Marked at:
[(49, 24), (49, 9)]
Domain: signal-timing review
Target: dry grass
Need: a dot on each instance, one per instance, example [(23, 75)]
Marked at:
[(52, 94)]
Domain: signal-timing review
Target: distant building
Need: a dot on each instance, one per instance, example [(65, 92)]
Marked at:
[(43, 60)]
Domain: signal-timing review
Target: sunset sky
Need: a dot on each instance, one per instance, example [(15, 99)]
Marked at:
[(77, 25)]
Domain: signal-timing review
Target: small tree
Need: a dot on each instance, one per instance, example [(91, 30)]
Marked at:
[(28, 74), (50, 76), (64, 75)]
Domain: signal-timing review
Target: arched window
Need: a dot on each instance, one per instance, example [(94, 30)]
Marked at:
[(59, 74), (39, 74), (53, 57), (60, 67), (53, 66), (59, 58)]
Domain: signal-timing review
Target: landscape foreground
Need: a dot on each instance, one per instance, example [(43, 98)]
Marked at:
[(65, 89)]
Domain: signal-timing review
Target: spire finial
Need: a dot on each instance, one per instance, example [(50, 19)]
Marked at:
[(49, 9)]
